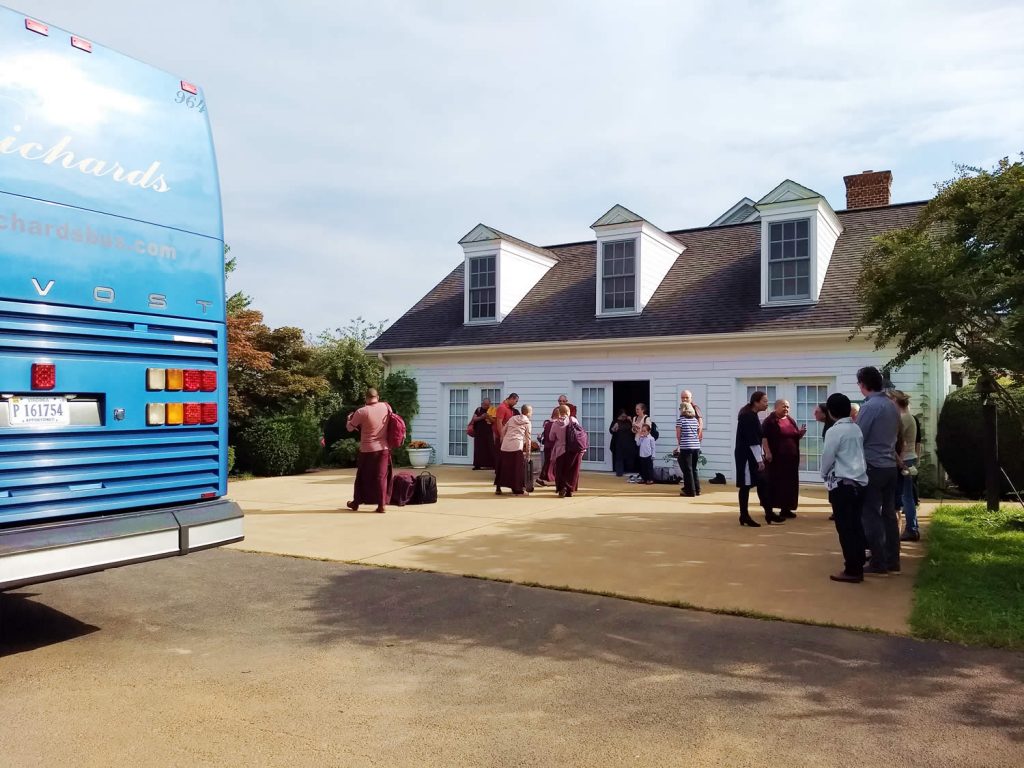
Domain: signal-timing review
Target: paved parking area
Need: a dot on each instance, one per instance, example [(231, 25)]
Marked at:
[(630, 540), (234, 659)]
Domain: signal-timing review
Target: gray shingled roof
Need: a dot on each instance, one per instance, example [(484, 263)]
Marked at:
[(713, 287)]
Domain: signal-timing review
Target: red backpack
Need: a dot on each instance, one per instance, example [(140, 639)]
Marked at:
[(396, 430), (576, 438)]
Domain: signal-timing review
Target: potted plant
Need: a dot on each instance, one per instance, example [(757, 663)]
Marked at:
[(419, 454)]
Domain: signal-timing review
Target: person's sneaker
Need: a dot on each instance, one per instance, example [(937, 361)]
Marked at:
[(910, 535), (846, 577)]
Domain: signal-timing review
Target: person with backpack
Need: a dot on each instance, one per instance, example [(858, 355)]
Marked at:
[(570, 441), (373, 467), (547, 470)]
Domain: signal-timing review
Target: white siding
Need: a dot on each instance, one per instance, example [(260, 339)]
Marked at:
[(825, 235), (715, 369), (656, 258), (518, 274)]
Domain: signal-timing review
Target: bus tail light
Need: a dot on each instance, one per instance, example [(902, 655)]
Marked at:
[(208, 495), (175, 379), (209, 413), (81, 44), (193, 413), (189, 88), (209, 381), (156, 379), (175, 414), (155, 414), (191, 380), (44, 375)]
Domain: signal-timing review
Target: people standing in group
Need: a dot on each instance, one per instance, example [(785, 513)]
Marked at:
[(516, 444), (781, 443), (686, 396), (749, 456), (623, 445), (844, 471), (506, 410), (547, 470), (373, 466), (688, 436), (564, 400), (480, 428), (567, 462), (879, 422), (640, 419), (911, 442), (646, 451)]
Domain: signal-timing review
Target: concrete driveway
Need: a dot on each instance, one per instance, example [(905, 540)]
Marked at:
[(636, 541)]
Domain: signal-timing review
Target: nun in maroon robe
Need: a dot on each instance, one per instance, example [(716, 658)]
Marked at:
[(782, 438), (547, 470), (567, 465), (484, 450)]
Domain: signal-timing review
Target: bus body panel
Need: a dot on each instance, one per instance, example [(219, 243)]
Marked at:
[(111, 266)]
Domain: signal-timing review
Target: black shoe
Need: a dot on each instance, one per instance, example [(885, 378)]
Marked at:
[(846, 577), (910, 535), (749, 521), (771, 517), (876, 570), (697, 492), (831, 517), (787, 515)]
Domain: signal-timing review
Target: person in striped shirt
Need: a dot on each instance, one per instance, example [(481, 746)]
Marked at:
[(688, 434)]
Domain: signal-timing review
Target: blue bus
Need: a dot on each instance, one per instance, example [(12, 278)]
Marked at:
[(113, 347)]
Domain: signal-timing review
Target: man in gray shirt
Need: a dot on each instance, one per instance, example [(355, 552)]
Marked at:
[(879, 421)]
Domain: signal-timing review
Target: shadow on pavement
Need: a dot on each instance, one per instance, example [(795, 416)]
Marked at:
[(838, 675), (26, 625)]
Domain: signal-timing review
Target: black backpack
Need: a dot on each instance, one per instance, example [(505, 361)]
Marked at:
[(654, 430), (425, 489)]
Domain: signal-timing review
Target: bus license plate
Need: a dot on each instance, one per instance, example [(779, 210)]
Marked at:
[(38, 412)]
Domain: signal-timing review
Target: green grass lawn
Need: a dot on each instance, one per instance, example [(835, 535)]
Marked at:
[(971, 585)]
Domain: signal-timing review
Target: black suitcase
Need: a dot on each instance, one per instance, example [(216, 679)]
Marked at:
[(425, 489), (528, 475)]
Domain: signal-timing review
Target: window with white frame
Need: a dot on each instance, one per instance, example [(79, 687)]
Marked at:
[(618, 276), (789, 261), (483, 284)]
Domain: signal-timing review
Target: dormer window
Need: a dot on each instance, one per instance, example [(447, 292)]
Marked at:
[(633, 257), (483, 288), (799, 231), (500, 270), (789, 261), (618, 276)]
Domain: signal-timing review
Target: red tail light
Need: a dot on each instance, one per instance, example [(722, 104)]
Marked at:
[(189, 88), (81, 44), (193, 413), (44, 375), (209, 413), (37, 26), (191, 381), (209, 381), (208, 495)]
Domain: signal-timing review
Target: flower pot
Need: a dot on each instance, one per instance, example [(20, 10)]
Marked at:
[(419, 457)]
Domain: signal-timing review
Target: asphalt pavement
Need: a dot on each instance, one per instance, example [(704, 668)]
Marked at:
[(231, 658)]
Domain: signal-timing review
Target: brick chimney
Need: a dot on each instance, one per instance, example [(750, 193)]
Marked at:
[(868, 189)]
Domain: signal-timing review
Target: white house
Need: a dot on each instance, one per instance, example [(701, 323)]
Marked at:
[(763, 298)]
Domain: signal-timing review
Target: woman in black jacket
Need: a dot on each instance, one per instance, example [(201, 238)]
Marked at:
[(749, 457), (623, 446)]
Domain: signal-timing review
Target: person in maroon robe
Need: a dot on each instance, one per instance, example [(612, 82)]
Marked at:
[(781, 446), (564, 400), (567, 465), (373, 467), (516, 445), (480, 428), (547, 470)]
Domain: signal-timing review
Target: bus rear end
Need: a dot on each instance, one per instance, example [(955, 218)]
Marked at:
[(113, 405)]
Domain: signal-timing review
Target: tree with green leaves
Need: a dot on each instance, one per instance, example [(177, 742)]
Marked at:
[(955, 280)]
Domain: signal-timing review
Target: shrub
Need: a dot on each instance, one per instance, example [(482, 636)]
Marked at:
[(400, 457), (282, 445), (961, 448), (231, 458), (344, 452), (400, 391)]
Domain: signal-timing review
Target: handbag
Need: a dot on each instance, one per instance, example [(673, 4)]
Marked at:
[(469, 429)]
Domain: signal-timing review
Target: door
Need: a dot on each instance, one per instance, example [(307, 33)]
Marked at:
[(595, 414), (460, 401)]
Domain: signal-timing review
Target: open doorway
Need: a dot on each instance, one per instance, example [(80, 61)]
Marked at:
[(626, 394)]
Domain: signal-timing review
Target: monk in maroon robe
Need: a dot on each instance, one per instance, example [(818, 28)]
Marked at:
[(484, 449), (547, 470), (781, 446), (373, 467), (567, 465)]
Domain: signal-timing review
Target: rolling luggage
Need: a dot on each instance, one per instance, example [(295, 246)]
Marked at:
[(528, 475), (403, 487)]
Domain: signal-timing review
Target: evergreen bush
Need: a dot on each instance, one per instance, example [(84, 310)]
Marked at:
[(961, 448)]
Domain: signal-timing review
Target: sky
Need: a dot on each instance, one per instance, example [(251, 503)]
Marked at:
[(359, 141)]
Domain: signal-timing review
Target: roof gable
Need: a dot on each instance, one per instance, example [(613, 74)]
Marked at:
[(617, 214), (788, 191)]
